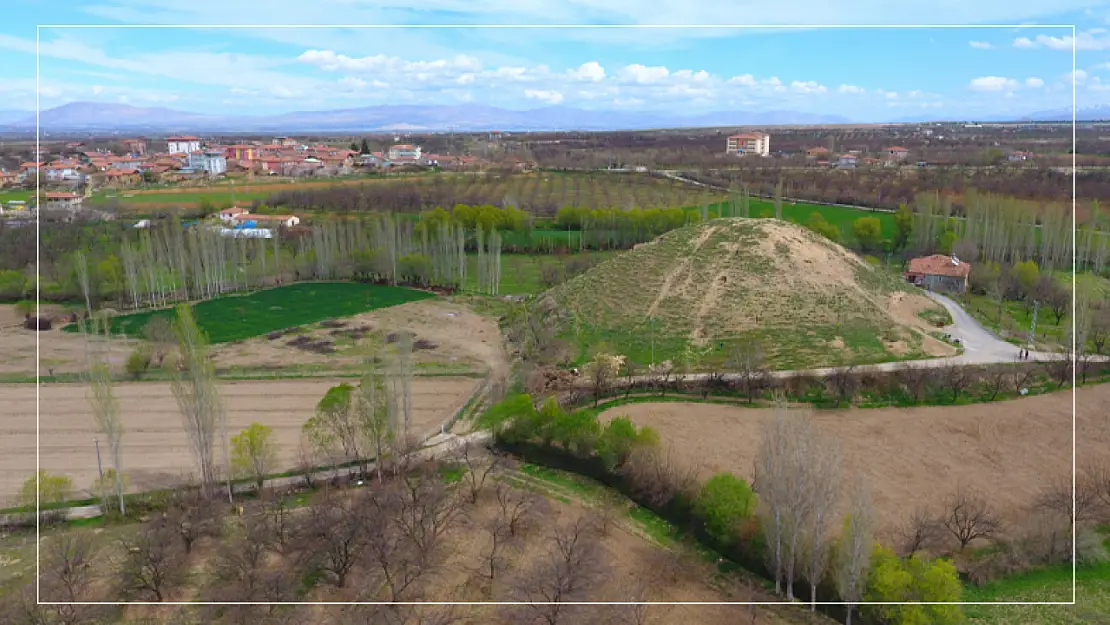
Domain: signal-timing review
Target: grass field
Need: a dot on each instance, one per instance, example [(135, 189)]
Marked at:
[(20, 195), (1016, 317), (520, 273), (237, 317), (1092, 587), (690, 293)]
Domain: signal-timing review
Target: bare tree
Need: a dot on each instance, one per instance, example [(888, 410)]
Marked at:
[(500, 540), (916, 380), (955, 378), (153, 562), (921, 531), (1057, 498), (572, 566), (68, 574), (825, 460), (995, 379), (658, 475), (746, 359), (516, 507), (479, 465), (373, 414), (159, 331), (853, 553), (968, 515), (106, 413), (194, 387), (335, 531), (844, 382)]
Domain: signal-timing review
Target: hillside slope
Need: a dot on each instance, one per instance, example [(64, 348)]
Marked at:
[(694, 291)]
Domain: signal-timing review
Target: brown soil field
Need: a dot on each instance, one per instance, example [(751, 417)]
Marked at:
[(155, 449), (632, 567), (1009, 450), (461, 338)]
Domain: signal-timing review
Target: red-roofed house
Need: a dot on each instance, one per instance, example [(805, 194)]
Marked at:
[(896, 153), (230, 214), (122, 176), (241, 152), (817, 152), (939, 272), (67, 201), (756, 143), (134, 146), (404, 152)]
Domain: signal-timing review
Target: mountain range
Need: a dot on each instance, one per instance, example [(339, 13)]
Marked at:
[(101, 117)]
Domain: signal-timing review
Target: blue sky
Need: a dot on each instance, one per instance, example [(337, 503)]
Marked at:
[(873, 74)]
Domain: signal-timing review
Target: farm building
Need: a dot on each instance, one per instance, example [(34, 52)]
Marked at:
[(939, 272), (287, 221)]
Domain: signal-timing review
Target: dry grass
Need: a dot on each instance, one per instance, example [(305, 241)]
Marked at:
[(910, 456), (155, 449), (812, 302)]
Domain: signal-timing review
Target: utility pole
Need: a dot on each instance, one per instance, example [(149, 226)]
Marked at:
[(100, 470)]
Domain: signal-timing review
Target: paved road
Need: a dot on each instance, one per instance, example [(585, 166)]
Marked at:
[(981, 346)]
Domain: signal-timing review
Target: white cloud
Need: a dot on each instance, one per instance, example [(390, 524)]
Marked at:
[(746, 80), (543, 95), (591, 71), (1034, 82), (851, 89), (1090, 40), (643, 75), (331, 61), (808, 86), (691, 76), (981, 45), (353, 82), (992, 83), (97, 89)]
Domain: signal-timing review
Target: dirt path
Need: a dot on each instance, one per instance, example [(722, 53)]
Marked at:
[(1007, 449), (155, 449)]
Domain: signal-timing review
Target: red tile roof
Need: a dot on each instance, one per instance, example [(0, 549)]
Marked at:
[(747, 135), (939, 265), (896, 149), (186, 138), (56, 195)]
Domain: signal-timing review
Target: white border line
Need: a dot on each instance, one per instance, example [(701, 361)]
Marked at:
[(38, 218)]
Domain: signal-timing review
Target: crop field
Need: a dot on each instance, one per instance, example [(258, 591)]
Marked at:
[(1009, 449), (237, 317), (155, 448)]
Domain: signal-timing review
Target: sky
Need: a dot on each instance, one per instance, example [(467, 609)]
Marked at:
[(875, 74)]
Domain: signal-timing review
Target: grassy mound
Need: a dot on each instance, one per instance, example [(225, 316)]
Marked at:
[(694, 291), (237, 317)]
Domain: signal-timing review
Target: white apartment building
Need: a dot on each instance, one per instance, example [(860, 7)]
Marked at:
[(182, 145), (758, 143)]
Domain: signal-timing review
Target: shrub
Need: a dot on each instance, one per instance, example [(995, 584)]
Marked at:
[(914, 579), (51, 489), (724, 503), (138, 363)]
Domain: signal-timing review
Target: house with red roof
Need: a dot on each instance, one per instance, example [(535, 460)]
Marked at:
[(939, 273), (896, 153), (754, 143), (182, 144)]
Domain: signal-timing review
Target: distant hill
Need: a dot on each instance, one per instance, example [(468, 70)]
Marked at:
[(101, 116), (692, 292)]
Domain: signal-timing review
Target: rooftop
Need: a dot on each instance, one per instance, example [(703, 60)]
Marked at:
[(939, 265)]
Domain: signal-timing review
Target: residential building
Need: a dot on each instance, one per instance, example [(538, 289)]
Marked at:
[(757, 143), (134, 146), (939, 273), (230, 214), (285, 141), (404, 152), (847, 161), (287, 221), (61, 170), (211, 162), (27, 170), (121, 177), (8, 178), (241, 152), (896, 153), (182, 145), (1016, 157), (817, 153), (374, 159), (57, 200)]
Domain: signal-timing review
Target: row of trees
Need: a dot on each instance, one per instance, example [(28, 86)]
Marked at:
[(786, 521)]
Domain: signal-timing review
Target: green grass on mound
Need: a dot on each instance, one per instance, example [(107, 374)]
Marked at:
[(692, 293), (237, 317)]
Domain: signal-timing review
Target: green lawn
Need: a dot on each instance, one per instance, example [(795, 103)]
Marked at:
[(1050, 584), (19, 195), (520, 273), (237, 317)]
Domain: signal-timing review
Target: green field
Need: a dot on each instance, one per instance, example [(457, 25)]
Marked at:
[(520, 273), (238, 317), (19, 195), (1050, 584)]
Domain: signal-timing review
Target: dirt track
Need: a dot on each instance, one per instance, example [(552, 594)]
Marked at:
[(155, 448), (1007, 449)]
